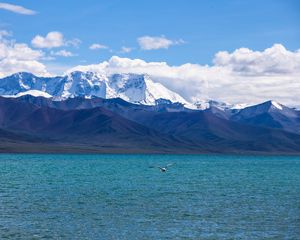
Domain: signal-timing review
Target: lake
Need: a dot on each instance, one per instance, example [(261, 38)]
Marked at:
[(121, 197)]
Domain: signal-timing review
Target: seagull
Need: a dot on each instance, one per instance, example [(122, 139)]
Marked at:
[(165, 168)]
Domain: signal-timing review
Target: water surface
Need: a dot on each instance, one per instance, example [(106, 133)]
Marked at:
[(120, 197)]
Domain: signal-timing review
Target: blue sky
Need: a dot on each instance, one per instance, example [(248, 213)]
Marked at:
[(235, 51), (206, 26)]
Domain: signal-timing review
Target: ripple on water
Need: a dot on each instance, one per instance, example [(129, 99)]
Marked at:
[(120, 197)]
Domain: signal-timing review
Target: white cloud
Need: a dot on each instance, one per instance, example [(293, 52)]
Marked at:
[(18, 51), (126, 50), (54, 40), (51, 40), (97, 46), (274, 60), (63, 53), (244, 76), (17, 57), (241, 76), (16, 9), (11, 66), (153, 43)]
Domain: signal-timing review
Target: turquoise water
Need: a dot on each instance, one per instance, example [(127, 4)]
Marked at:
[(120, 197)]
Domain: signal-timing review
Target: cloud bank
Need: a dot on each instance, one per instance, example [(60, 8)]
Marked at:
[(272, 61), (243, 76), (17, 57)]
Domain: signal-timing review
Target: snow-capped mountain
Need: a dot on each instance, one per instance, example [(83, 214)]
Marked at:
[(140, 89), (266, 107), (270, 114), (206, 104), (134, 88)]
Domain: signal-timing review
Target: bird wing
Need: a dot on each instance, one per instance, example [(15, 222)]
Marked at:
[(170, 164)]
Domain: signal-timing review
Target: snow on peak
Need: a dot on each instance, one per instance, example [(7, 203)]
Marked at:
[(135, 88), (130, 87), (84, 84), (239, 106), (276, 105), (155, 90), (206, 104), (34, 93), (139, 88), (202, 104)]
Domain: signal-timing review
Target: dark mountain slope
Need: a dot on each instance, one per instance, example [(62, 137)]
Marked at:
[(118, 126), (87, 126), (271, 115), (203, 127)]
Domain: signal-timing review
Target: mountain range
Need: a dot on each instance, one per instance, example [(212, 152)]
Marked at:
[(135, 88), (131, 113)]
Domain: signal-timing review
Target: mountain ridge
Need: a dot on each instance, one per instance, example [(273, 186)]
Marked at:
[(135, 88), (132, 113), (114, 125)]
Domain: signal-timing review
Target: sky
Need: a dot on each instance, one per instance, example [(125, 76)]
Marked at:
[(235, 51)]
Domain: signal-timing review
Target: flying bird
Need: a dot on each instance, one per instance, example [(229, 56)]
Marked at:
[(165, 168)]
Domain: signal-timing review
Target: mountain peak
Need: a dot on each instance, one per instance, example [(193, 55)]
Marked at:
[(22, 75), (207, 104), (134, 88), (270, 105)]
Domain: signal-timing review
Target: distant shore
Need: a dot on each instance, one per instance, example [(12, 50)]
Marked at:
[(15, 148)]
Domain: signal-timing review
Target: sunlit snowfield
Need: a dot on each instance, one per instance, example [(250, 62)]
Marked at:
[(120, 197)]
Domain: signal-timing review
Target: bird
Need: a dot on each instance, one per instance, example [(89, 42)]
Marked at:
[(163, 169)]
